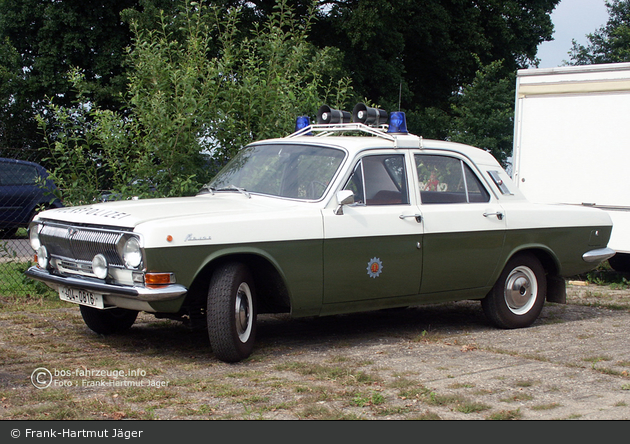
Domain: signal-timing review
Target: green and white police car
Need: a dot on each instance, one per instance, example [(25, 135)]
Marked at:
[(350, 214)]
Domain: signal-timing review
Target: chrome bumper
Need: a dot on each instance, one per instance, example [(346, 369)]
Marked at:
[(599, 255), (144, 294)]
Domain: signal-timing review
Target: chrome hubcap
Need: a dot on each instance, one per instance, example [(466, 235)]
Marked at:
[(243, 312), (521, 290)]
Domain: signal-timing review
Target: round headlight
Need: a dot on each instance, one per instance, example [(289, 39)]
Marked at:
[(132, 255), (42, 257), (33, 236), (99, 266)]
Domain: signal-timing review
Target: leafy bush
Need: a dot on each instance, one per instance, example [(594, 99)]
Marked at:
[(198, 91)]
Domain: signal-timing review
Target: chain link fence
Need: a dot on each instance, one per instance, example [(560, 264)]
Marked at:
[(24, 190)]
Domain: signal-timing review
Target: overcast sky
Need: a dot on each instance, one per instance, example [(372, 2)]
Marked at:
[(572, 19)]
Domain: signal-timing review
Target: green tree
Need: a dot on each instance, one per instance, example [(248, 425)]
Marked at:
[(422, 52), (484, 112), (418, 54), (187, 113), (611, 43), (429, 47), (410, 53), (49, 38), (11, 103)]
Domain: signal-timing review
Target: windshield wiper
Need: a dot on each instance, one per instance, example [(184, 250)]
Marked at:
[(206, 189), (234, 188)]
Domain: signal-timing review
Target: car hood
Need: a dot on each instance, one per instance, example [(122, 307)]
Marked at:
[(131, 213)]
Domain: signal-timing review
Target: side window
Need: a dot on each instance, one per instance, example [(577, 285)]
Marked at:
[(445, 179), (379, 180), (476, 191), (18, 174), (355, 184)]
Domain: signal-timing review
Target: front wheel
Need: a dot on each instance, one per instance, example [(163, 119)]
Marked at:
[(518, 296), (232, 312)]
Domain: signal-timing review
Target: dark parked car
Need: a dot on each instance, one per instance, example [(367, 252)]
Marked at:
[(24, 189)]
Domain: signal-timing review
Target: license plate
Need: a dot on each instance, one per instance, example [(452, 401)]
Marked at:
[(82, 297)]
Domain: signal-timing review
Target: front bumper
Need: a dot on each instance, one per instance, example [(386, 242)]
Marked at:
[(142, 298)]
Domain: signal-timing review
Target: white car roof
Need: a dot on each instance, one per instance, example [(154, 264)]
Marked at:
[(356, 144), (378, 138)]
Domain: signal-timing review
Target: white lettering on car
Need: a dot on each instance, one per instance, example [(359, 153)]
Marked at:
[(94, 212)]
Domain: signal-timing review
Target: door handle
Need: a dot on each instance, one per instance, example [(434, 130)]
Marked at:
[(498, 214), (418, 217)]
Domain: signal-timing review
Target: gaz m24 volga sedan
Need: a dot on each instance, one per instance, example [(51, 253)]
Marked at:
[(350, 214)]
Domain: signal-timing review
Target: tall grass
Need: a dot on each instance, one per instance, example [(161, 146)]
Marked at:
[(13, 281)]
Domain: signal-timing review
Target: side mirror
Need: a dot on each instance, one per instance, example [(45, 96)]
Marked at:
[(344, 197)]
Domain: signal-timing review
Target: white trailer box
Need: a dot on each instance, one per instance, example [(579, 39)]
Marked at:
[(572, 142)]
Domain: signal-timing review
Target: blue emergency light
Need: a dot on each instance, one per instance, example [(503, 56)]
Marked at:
[(397, 122), (302, 122)]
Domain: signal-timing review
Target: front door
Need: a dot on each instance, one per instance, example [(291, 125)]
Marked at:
[(372, 250)]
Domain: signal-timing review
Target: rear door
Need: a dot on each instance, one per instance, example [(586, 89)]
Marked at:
[(464, 225)]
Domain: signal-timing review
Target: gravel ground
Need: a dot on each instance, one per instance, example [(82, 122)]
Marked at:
[(429, 362)]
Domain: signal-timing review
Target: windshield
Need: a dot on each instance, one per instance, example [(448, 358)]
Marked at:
[(294, 171)]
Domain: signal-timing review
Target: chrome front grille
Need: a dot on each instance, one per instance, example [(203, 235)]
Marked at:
[(81, 243)]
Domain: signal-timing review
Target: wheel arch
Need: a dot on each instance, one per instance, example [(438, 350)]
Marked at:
[(556, 288), (272, 291)]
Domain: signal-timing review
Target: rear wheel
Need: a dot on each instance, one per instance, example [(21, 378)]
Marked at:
[(109, 321), (620, 262), (232, 312), (518, 296)]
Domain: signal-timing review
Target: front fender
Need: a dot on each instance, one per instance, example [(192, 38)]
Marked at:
[(302, 278)]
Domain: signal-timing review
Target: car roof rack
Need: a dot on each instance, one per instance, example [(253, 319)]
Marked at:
[(366, 120), (324, 130), (400, 140)]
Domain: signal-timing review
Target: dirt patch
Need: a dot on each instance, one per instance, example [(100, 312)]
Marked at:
[(428, 362)]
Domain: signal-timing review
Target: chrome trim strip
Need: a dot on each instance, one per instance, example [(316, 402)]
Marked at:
[(165, 293), (599, 255)]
